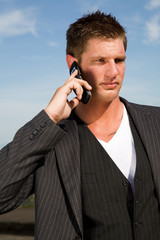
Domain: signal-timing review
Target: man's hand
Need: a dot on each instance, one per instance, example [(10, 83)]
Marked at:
[(60, 107)]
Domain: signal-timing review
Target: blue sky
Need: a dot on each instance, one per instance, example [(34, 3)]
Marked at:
[(32, 53)]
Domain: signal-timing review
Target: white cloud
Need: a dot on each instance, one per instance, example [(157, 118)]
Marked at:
[(153, 4), (17, 22), (153, 29)]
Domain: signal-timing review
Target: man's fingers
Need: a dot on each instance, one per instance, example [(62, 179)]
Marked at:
[(76, 85), (73, 75), (73, 103)]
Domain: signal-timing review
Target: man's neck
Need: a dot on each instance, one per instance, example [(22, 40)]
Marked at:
[(102, 119), (98, 112)]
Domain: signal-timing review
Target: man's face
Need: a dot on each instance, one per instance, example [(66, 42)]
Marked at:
[(103, 67)]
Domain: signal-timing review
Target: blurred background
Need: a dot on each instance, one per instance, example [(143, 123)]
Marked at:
[(32, 53)]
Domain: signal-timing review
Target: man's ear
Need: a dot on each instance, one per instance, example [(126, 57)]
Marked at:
[(70, 59)]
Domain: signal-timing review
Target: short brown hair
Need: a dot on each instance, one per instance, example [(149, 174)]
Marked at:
[(94, 25)]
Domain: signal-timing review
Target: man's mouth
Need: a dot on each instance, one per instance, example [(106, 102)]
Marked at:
[(110, 85)]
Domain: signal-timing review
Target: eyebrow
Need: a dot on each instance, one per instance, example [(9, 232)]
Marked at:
[(123, 57), (103, 57)]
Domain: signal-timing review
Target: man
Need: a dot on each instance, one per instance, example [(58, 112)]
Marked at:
[(94, 167)]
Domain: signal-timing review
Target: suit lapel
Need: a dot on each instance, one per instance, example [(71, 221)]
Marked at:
[(68, 157), (148, 127)]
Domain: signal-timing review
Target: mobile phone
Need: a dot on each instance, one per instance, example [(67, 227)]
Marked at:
[(86, 93)]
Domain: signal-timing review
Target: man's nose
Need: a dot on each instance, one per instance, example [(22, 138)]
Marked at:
[(111, 70)]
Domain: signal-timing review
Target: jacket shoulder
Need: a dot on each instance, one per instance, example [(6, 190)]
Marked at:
[(146, 109)]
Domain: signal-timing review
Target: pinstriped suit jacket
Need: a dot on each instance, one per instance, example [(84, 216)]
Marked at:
[(45, 158)]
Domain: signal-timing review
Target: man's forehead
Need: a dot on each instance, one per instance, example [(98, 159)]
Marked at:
[(99, 47), (99, 41)]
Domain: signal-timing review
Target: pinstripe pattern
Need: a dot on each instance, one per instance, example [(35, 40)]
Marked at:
[(147, 121), (44, 158), (146, 209), (19, 159)]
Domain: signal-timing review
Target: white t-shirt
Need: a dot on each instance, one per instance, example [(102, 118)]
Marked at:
[(121, 149)]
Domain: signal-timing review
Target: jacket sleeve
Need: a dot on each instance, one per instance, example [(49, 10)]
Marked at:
[(23, 156)]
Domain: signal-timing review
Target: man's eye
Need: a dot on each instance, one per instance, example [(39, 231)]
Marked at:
[(119, 60), (99, 60)]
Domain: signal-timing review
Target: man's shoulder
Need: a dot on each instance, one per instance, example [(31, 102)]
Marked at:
[(138, 105), (149, 109), (143, 106)]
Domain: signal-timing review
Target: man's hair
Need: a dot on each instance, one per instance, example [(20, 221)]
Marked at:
[(93, 25)]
